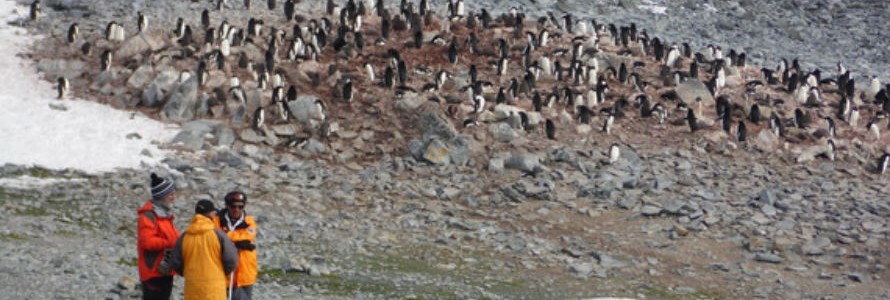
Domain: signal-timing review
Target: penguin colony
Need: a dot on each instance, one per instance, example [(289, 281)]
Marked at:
[(546, 76)]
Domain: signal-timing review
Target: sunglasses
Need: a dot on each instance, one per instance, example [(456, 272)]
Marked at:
[(237, 206)]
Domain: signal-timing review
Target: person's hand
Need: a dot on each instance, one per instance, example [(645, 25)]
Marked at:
[(164, 267), (245, 245)]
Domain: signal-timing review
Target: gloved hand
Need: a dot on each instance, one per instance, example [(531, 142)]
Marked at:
[(164, 267), (245, 245)]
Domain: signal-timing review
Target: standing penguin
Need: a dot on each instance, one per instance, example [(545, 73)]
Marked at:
[(105, 60), (348, 92), (884, 163), (62, 87), (614, 153), (741, 132), (142, 22), (550, 129), (35, 10), (259, 118), (691, 120), (73, 32)]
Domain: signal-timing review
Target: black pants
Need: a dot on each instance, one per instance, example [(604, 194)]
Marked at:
[(158, 288)]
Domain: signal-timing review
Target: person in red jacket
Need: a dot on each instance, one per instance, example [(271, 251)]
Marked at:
[(242, 229), (156, 236)]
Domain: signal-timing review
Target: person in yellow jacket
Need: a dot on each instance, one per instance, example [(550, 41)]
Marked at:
[(204, 255), (241, 228)]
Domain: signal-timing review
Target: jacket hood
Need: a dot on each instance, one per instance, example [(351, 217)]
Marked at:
[(200, 224)]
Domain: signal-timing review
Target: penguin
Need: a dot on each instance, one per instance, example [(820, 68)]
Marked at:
[(86, 49), (884, 163), (478, 104), (289, 10), (854, 118), (62, 87), (369, 69), (550, 129), (259, 118), (614, 153), (388, 77), (348, 90), (755, 116), (452, 52), (105, 60), (831, 150), (660, 112), (741, 132), (270, 4), (776, 124), (247, 4), (142, 22), (73, 32), (874, 129), (800, 119), (470, 123), (609, 122), (832, 129), (35, 10), (691, 120)]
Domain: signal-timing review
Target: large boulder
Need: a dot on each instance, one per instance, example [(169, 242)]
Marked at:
[(306, 111), (61, 67), (141, 76), (691, 89), (139, 43), (182, 102)]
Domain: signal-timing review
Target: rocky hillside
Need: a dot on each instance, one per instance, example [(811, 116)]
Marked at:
[(412, 190)]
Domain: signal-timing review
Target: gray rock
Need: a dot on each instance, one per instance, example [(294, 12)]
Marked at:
[(768, 257), (582, 269), (313, 146), (436, 152), (251, 136), (689, 90), (502, 132), (496, 164), (181, 104), (306, 111), (139, 43), (61, 67), (225, 137), (628, 202), (141, 76), (815, 246), (767, 196), (410, 102), (526, 162), (858, 277), (191, 134), (650, 210), (151, 96)]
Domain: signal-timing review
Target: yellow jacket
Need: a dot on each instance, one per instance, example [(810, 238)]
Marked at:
[(243, 232), (204, 255)]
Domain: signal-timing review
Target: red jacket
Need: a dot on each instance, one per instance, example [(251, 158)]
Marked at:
[(154, 235)]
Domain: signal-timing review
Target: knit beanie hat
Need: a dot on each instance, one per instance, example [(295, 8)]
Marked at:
[(204, 206), (160, 187)]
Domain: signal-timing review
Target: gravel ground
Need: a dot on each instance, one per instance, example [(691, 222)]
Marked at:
[(675, 218)]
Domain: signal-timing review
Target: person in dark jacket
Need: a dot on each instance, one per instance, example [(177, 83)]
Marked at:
[(204, 255), (155, 236)]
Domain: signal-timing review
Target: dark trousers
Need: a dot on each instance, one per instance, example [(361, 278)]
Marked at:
[(242, 293), (158, 288)]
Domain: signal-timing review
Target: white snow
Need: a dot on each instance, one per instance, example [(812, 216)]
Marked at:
[(87, 136), (29, 182)]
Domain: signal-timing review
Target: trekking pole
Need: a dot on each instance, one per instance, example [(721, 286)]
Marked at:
[(231, 284)]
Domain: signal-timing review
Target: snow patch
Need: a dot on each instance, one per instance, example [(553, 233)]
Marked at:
[(26, 182), (85, 135)]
